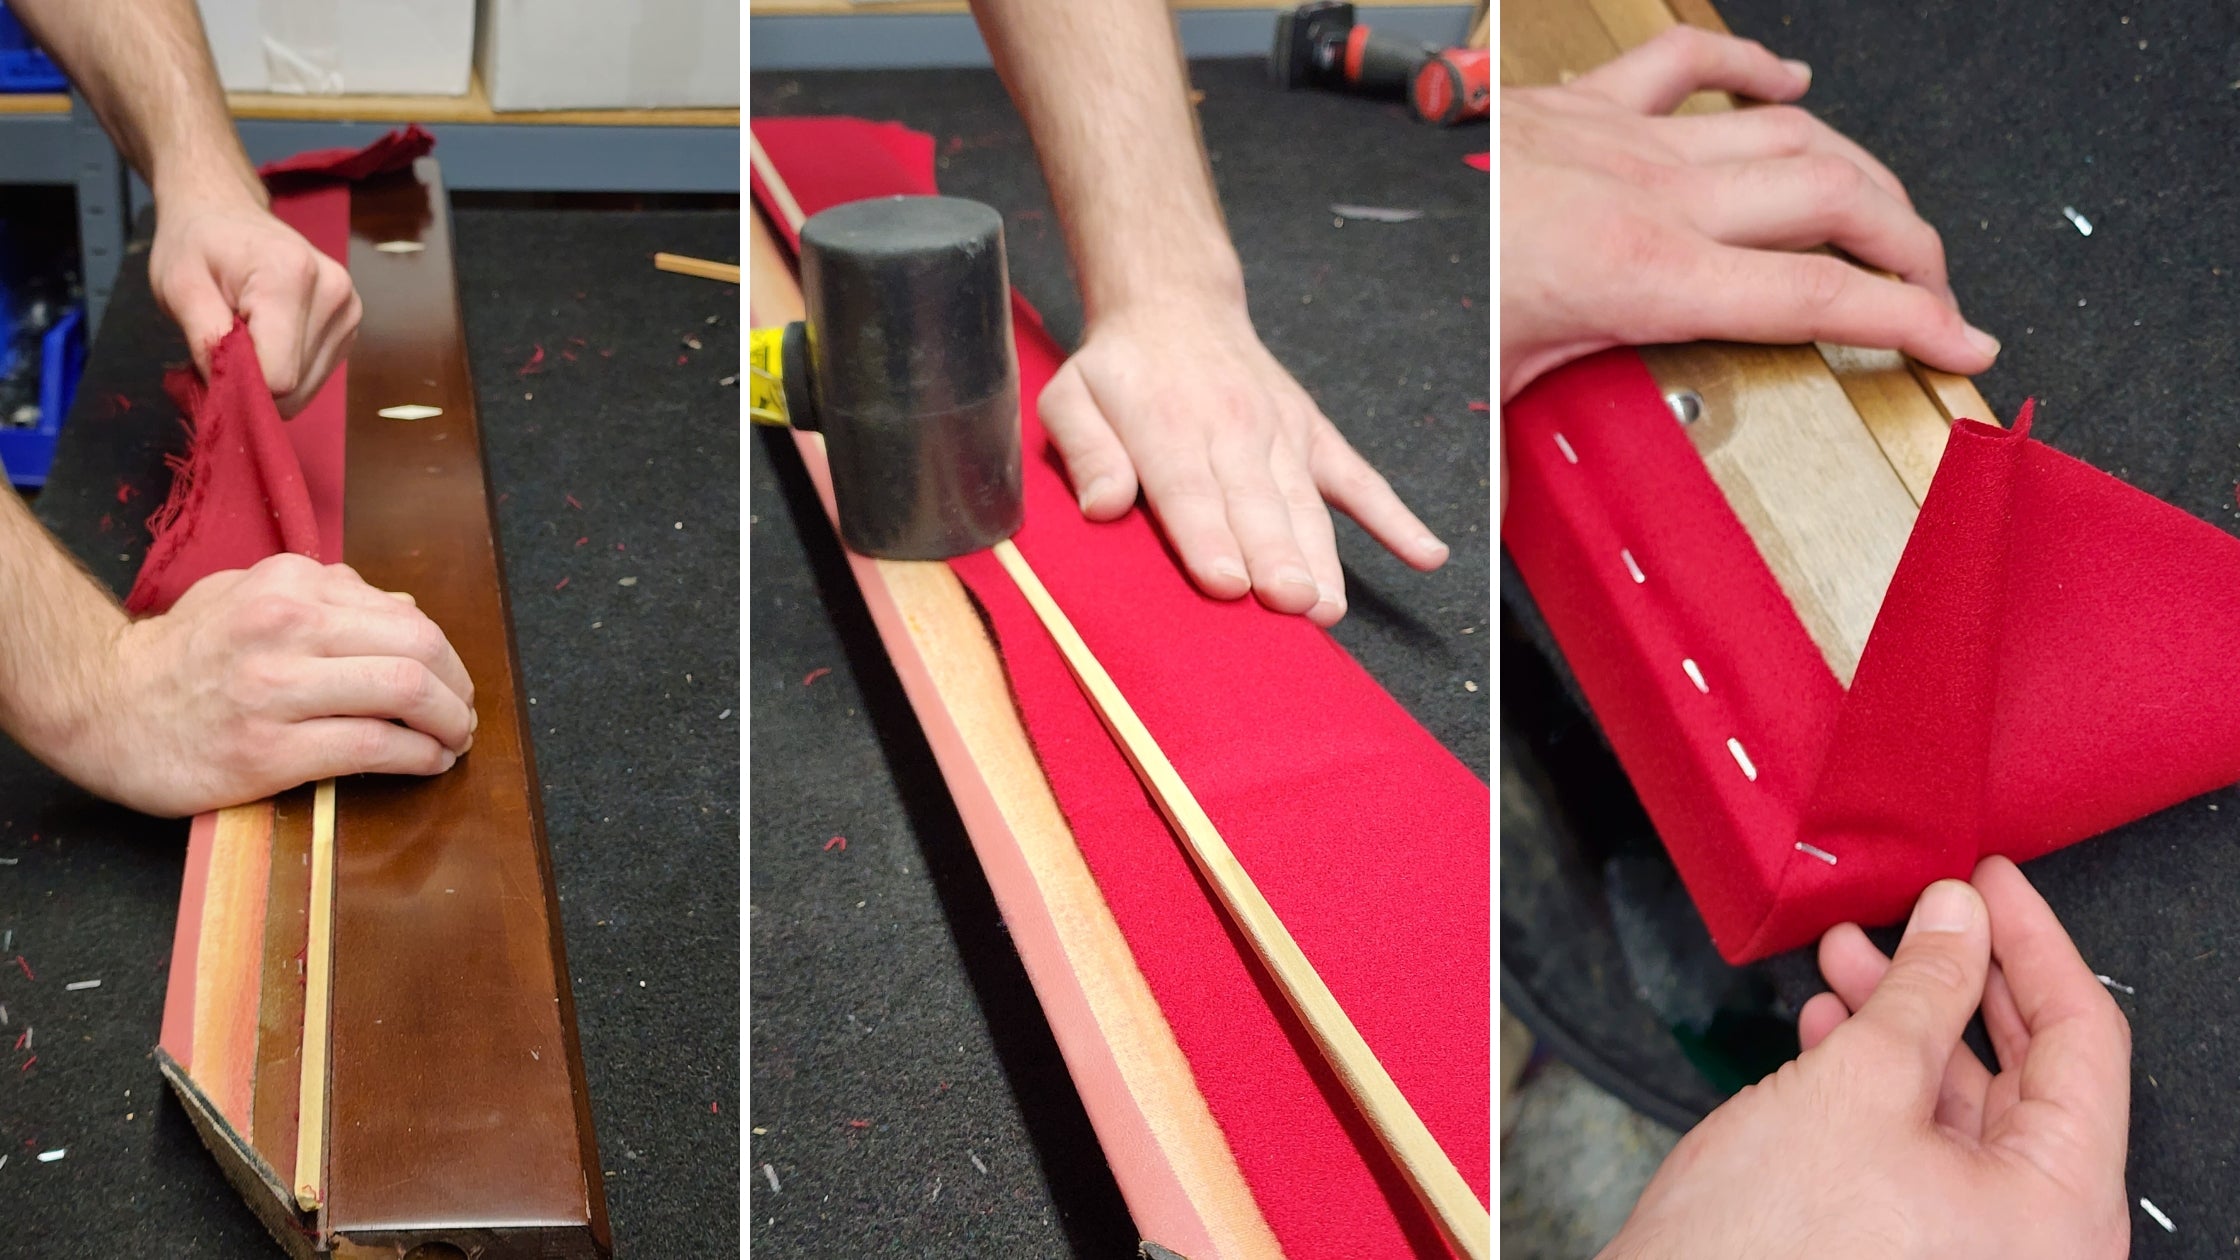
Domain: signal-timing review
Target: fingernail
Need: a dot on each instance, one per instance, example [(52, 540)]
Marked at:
[(1800, 69), (1094, 491), (1296, 577), (1227, 568), (1982, 340), (1948, 906), (450, 759), (1431, 547)]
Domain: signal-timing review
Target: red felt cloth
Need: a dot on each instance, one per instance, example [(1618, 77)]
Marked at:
[(1371, 841), (1482, 161), (2055, 657), (394, 151), (252, 485)]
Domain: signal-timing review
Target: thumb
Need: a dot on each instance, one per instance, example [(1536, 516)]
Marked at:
[(1935, 981), (202, 313), (1104, 479)]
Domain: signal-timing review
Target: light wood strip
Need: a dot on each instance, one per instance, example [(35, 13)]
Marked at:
[(229, 960), (1826, 509), (318, 974), (1546, 42), (473, 107), (1431, 1174), (701, 267), (1904, 419), (1955, 396)]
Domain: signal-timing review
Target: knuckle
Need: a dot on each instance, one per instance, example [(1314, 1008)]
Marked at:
[(1834, 181), (406, 684), (1820, 284), (1791, 129), (1935, 974), (274, 614), (367, 744), (425, 642), (1683, 39)]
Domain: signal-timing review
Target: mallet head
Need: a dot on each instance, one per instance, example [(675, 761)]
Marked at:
[(911, 374)]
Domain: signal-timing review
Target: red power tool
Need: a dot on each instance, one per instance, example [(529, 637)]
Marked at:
[(1322, 45)]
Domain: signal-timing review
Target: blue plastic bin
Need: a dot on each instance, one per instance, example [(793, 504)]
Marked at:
[(28, 453), (23, 68)]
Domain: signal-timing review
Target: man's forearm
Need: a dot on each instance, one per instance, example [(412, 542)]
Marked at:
[(56, 625), (1103, 92), (145, 67)]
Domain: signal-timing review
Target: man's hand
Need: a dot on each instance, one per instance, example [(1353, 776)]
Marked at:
[(1622, 226), (1232, 456), (261, 679), (220, 254), (1887, 1137)]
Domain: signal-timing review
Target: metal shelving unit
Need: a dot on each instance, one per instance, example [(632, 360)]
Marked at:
[(55, 139)]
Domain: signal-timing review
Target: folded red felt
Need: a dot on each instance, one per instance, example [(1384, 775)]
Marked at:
[(392, 152), (1370, 839), (252, 485), (2056, 656)]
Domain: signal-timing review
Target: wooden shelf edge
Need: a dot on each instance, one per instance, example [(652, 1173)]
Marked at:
[(472, 108), (34, 103)]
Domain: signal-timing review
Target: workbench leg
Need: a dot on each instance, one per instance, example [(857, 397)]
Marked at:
[(101, 210)]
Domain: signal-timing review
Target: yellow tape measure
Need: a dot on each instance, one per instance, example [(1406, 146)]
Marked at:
[(766, 400)]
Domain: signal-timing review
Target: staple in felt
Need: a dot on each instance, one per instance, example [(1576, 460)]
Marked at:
[(1368, 837), (251, 485), (2054, 658)]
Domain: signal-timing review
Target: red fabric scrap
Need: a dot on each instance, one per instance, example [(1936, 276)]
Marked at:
[(814, 674), (238, 496), (2053, 659), (837, 842), (1480, 161), (392, 152), (1371, 840)]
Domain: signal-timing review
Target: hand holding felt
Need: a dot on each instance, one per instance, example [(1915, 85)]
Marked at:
[(252, 486), (258, 667), (1623, 226), (1888, 1137), (263, 678), (1233, 458), (219, 257)]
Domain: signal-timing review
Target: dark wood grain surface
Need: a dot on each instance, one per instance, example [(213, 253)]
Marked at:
[(457, 1095)]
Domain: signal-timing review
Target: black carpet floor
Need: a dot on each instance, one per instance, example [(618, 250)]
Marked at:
[(908, 1099), (1998, 116), (635, 730)]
